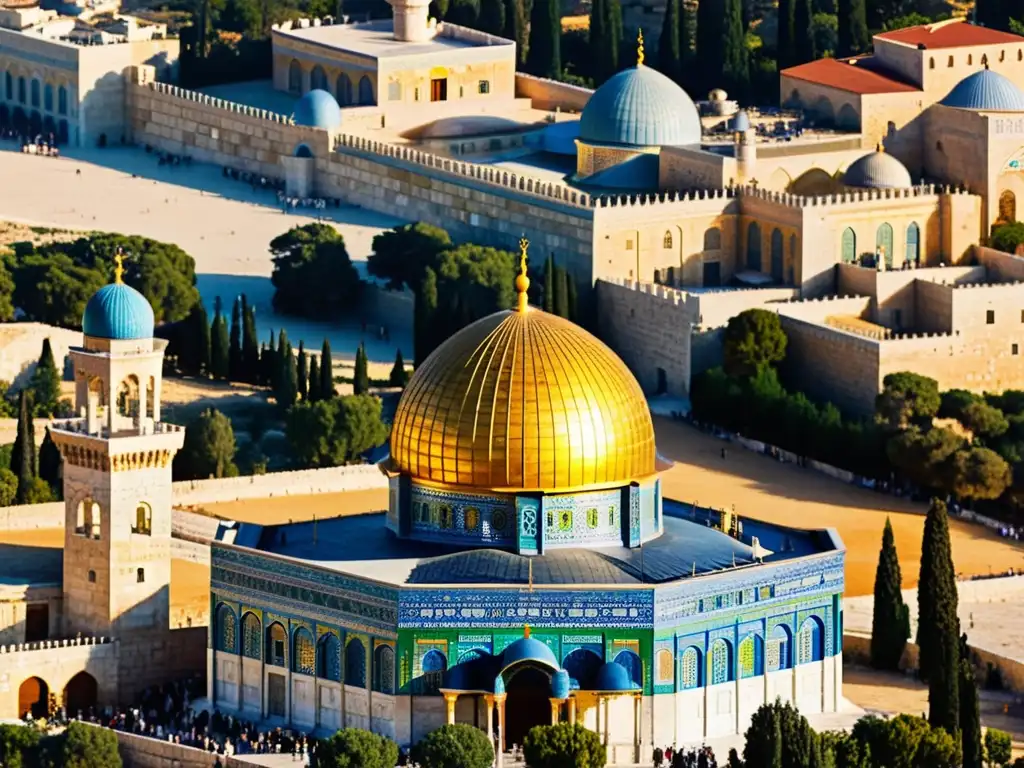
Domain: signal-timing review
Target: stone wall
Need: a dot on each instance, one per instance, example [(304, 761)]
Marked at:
[(21, 344), (143, 752), (551, 94), (301, 482), (1005, 267), (28, 517)]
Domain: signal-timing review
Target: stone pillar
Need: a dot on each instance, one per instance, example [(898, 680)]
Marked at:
[(636, 727), (489, 701), (556, 711), (572, 709), (449, 700), (604, 701), (499, 699), (140, 419)]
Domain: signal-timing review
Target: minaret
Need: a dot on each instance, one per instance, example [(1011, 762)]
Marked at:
[(117, 482), (411, 24), (746, 146)]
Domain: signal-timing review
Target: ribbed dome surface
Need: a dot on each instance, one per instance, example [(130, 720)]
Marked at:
[(318, 109), (988, 91), (640, 107), (877, 170), (118, 311), (523, 401), (741, 121)]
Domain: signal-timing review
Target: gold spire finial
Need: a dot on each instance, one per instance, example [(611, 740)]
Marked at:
[(118, 266), (879, 147), (639, 47), (526, 630), (522, 281)]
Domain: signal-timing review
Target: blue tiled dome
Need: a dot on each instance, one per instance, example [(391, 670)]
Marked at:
[(640, 107), (318, 109), (986, 90), (741, 121), (560, 685), (118, 311), (877, 170), (613, 678), (528, 649)]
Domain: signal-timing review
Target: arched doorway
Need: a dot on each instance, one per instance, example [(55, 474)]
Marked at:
[(778, 257), (1007, 207), (34, 698), (849, 246), (80, 693), (343, 89), (528, 703), (754, 247), (295, 77)]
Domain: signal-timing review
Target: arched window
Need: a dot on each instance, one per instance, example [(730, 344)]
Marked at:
[(721, 662), (433, 665), (984, 59), (22, 94), (1002, 55), (631, 662), (277, 645), (751, 656), (62, 100), (252, 634), (779, 649), (970, 59), (366, 97), (227, 629), (913, 243), (754, 246), (355, 663), (931, 63), (303, 652), (1020, 54), (328, 657), (810, 644), (88, 519), (35, 92), (384, 669), (883, 243), (143, 519), (1007, 206), (712, 239), (849, 246), (318, 79), (48, 97), (664, 674), (9, 86), (792, 248), (666, 241), (582, 666), (778, 257), (295, 77), (344, 90), (128, 397), (950, 61), (690, 669)]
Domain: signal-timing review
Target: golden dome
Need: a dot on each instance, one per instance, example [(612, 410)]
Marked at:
[(523, 400)]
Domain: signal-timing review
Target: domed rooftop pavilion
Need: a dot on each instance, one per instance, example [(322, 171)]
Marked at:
[(877, 170), (118, 312)]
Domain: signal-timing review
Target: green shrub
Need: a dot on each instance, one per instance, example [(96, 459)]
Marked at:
[(15, 742), (89, 746), (565, 744), (356, 748), (998, 747), (454, 746)]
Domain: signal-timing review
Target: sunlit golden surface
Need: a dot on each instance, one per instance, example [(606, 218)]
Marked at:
[(523, 401)]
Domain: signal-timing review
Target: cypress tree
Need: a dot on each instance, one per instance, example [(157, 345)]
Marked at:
[(200, 326), (735, 57), (302, 369), (785, 42), (890, 624), (465, 13), (220, 354), (804, 48), (709, 43), (271, 373), (561, 293), (50, 464), (515, 27), (263, 364), (23, 453), (250, 343), (605, 38), (574, 313), (492, 16), (235, 368), (289, 386), (314, 380), (544, 58), (970, 711), (853, 28), (361, 377), (46, 382), (423, 318), (549, 284), (326, 372), (398, 376), (670, 57), (938, 630)]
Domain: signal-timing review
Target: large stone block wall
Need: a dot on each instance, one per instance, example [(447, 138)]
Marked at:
[(14, 602), (301, 482), (21, 344), (144, 752)]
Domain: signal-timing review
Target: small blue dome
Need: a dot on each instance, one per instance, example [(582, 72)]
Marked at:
[(986, 90), (560, 685), (318, 109), (741, 121), (640, 107), (528, 649), (118, 311), (474, 674), (614, 678)]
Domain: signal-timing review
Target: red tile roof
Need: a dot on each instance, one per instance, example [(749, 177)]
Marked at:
[(957, 34), (851, 75)]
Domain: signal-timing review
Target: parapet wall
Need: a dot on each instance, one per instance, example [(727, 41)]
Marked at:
[(551, 94), (1004, 266), (144, 752)]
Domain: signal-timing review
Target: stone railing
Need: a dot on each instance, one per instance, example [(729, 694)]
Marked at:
[(215, 103), (850, 197), (46, 645)]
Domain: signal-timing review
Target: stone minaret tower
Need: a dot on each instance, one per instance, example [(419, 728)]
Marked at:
[(746, 146), (117, 485), (411, 22)]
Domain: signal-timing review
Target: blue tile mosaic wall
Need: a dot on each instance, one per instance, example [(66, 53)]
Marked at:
[(461, 518), (583, 518)]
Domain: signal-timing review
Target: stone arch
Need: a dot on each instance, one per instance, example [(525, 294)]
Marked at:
[(847, 118), (810, 645), (751, 656), (712, 239), (913, 252), (81, 693), (720, 662), (276, 645), (303, 652), (295, 77), (780, 649), (355, 663), (328, 657), (384, 669), (631, 661), (143, 524), (664, 673), (1007, 206), (778, 256), (814, 181), (793, 258), (128, 397), (754, 246), (88, 517), (226, 629), (303, 150), (883, 242), (823, 111), (48, 97), (62, 100), (848, 246), (793, 101), (98, 387), (22, 90), (691, 669), (343, 86), (252, 636), (318, 79), (779, 180), (366, 97), (931, 63), (666, 240), (151, 401), (582, 665), (34, 698)]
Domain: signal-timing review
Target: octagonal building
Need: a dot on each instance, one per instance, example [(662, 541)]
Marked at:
[(528, 570)]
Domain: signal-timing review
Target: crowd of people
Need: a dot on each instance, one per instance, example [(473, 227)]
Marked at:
[(39, 145), (670, 757)]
